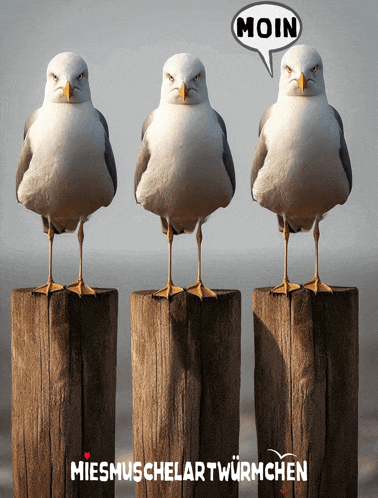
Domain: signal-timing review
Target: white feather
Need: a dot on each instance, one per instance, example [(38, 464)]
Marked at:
[(186, 179), (67, 178), (302, 176)]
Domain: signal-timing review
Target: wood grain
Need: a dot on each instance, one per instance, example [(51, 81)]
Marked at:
[(306, 388), (63, 390), (186, 387)]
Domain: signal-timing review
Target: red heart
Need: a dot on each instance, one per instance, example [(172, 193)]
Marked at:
[(87, 455)]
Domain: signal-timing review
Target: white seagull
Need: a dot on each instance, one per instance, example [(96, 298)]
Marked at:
[(301, 167), (184, 170), (66, 170)]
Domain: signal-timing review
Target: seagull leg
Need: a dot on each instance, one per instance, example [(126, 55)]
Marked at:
[(286, 285), (50, 286), (316, 284), (198, 289), (169, 289), (79, 286)]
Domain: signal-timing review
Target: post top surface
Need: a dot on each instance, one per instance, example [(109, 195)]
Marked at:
[(219, 292), (29, 290), (335, 289)]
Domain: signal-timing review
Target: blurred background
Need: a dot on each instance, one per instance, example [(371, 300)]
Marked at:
[(125, 46)]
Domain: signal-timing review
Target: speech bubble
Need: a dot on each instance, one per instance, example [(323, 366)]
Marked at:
[(266, 27)]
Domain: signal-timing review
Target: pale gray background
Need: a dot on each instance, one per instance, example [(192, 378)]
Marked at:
[(125, 46)]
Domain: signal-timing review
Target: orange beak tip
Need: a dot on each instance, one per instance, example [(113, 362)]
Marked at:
[(68, 91), (302, 82), (183, 92)]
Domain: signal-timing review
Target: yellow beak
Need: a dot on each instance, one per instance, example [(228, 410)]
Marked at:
[(68, 91), (302, 82), (183, 92)]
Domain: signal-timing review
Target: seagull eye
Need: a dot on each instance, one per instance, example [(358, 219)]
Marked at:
[(171, 78), (289, 70), (315, 68), (80, 77), (197, 77)]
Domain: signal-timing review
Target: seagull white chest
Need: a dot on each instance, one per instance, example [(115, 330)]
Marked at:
[(302, 174), (186, 177), (67, 176)]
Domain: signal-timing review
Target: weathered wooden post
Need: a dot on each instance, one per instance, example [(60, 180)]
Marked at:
[(306, 389), (186, 387), (63, 391)]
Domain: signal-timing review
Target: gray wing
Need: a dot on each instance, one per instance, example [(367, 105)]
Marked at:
[(109, 156), (221, 122), (338, 118), (103, 121), (147, 122), (343, 151), (227, 157), (30, 121), (265, 117), (23, 162), (144, 153), (110, 163), (26, 152), (142, 163), (259, 156), (261, 149)]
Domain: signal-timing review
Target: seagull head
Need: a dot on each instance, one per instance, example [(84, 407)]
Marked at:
[(301, 73), (67, 80), (184, 81)]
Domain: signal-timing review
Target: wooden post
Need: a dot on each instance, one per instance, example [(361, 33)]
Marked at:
[(306, 388), (186, 388), (63, 390)]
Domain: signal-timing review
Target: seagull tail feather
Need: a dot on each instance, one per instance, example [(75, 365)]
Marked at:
[(179, 226), (296, 225), (61, 226)]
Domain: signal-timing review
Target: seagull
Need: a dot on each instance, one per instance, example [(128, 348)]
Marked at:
[(301, 167), (184, 169), (66, 170), (283, 456)]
